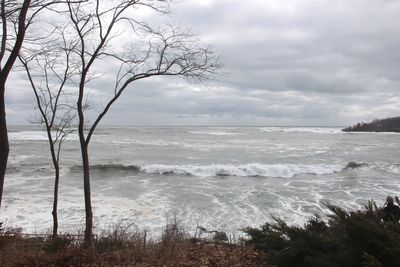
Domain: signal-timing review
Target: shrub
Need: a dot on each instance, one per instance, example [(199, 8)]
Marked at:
[(57, 244), (357, 238), (121, 236)]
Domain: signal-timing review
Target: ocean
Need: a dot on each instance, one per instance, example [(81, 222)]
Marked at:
[(221, 178)]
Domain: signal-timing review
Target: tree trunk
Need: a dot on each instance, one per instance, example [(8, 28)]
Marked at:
[(4, 146), (5, 71), (56, 166), (55, 200), (88, 201)]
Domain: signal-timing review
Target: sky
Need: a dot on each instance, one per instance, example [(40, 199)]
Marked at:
[(286, 63)]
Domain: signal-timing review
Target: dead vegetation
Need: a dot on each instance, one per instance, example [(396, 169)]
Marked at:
[(123, 247)]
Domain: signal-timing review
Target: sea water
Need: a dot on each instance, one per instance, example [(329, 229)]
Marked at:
[(222, 178)]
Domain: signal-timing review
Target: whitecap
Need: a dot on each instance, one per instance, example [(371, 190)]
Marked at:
[(213, 133)]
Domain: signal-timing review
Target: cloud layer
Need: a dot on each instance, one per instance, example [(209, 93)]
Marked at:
[(289, 62)]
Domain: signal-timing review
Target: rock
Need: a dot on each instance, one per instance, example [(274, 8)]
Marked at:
[(354, 165), (220, 236)]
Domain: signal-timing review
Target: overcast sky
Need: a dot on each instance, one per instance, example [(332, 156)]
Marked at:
[(289, 62)]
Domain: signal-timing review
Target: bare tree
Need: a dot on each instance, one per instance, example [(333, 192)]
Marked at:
[(49, 71), (99, 26), (16, 17)]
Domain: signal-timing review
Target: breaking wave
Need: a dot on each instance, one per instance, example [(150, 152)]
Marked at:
[(242, 170), (245, 170)]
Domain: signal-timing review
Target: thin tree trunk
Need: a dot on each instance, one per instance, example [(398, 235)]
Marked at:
[(56, 181), (55, 201), (4, 145), (88, 201)]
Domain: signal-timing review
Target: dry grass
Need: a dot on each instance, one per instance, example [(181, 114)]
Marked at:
[(122, 247)]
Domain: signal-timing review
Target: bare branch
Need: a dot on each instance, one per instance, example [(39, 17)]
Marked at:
[(93, 37)]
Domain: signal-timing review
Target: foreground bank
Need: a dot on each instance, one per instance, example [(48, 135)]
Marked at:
[(123, 248), (357, 238)]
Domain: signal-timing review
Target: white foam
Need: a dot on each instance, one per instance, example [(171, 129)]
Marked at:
[(394, 169), (244, 170), (28, 136), (34, 136), (17, 159), (147, 142), (213, 133), (389, 168)]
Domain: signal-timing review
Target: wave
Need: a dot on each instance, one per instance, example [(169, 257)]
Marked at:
[(244, 170), (34, 136), (28, 136), (108, 168), (318, 130), (391, 168), (220, 133), (380, 166)]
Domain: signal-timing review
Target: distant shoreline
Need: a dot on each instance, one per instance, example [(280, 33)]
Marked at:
[(384, 125)]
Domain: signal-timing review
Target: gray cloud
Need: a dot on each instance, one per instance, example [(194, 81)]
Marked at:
[(296, 62)]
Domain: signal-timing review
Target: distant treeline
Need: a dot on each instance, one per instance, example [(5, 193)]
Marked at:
[(384, 125)]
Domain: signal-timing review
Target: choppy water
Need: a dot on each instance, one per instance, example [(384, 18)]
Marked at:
[(222, 178)]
